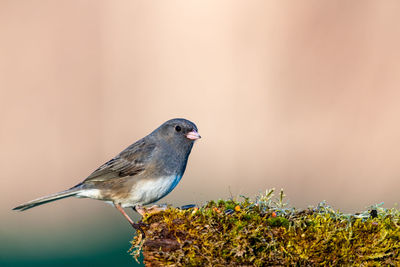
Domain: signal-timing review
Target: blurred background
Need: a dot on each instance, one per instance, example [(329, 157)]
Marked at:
[(302, 96)]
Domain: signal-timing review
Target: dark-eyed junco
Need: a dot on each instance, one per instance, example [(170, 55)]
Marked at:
[(143, 173)]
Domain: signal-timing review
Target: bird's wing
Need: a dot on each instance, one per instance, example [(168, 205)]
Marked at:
[(129, 162)]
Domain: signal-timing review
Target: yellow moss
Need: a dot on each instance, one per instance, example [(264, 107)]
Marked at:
[(266, 232)]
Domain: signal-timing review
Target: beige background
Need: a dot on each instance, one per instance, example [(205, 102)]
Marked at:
[(300, 95)]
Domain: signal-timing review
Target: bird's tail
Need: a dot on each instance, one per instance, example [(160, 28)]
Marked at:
[(43, 200)]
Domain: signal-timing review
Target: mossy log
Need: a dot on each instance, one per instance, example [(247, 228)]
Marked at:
[(265, 232)]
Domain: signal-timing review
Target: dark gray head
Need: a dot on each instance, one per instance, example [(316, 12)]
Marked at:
[(178, 132)]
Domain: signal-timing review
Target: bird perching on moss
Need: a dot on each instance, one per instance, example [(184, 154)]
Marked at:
[(143, 173)]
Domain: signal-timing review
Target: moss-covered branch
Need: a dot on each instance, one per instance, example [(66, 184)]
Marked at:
[(265, 231)]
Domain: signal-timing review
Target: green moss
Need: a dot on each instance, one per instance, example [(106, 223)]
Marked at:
[(265, 231)]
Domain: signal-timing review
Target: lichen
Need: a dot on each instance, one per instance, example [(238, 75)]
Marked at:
[(265, 231)]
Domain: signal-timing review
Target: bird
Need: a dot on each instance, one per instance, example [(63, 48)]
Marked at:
[(141, 174)]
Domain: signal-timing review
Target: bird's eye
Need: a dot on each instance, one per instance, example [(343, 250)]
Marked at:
[(178, 128)]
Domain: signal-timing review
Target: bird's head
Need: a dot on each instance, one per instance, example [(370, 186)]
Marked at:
[(179, 131)]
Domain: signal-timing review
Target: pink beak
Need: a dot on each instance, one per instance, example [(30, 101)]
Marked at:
[(193, 135)]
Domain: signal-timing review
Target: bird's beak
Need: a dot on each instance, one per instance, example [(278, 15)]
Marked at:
[(193, 135)]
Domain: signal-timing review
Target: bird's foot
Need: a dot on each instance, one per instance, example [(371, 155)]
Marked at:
[(153, 209)]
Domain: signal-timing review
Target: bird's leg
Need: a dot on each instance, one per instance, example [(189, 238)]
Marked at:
[(138, 209), (134, 225)]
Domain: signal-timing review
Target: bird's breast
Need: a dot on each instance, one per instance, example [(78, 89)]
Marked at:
[(146, 191)]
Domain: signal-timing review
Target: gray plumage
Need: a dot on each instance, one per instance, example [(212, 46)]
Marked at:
[(141, 174)]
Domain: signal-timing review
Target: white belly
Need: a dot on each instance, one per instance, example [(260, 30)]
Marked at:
[(147, 191)]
